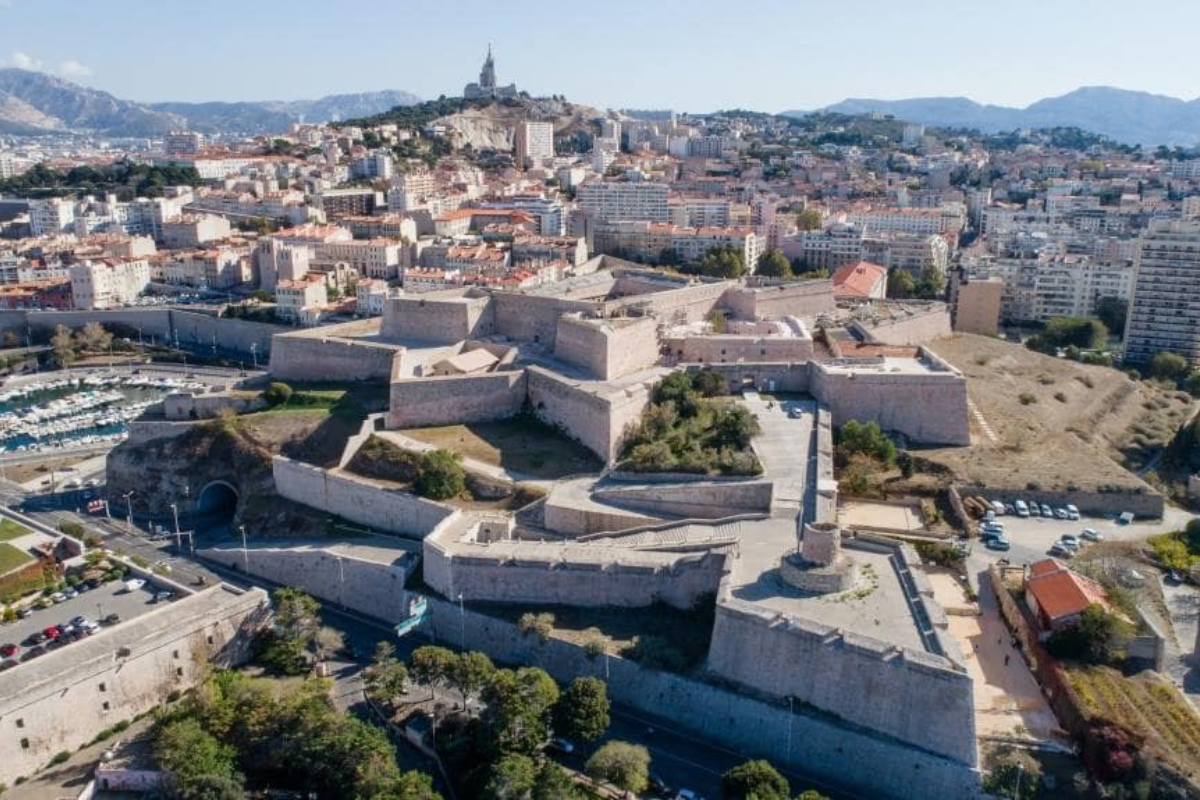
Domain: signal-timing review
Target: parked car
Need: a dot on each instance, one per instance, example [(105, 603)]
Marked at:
[(1174, 576), (998, 543), (1009, 508), (111, 619), (1061, 513), (1071, 541), (1047, 511), (162, 597), (1021, 509), (78, 621), (71, 593), (51, 633), (58, 597), (134, 584), (1072, 511), (24, 612), (1092, 535), (33, 652), (1034, 510), (795, 413), (1059, 551), (9, 650), (659, 786), (561, 745)]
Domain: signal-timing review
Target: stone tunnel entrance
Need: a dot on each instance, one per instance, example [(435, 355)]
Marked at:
[(217, 499)]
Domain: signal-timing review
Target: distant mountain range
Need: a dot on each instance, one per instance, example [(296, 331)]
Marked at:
[(33, 103), (1123, 115)]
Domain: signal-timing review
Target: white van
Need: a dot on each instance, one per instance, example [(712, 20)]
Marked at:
[(1022, 509), (1072, 511)]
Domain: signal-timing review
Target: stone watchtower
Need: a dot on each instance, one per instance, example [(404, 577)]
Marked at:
[(820, 567)]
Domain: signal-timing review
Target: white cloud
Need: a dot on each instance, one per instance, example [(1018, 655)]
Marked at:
[(22, 61), (70, 69), (73, 69)]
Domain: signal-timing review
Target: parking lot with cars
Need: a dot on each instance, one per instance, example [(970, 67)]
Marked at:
[(1033, 538), (87, 610)]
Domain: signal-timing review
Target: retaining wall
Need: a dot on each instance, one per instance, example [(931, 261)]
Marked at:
[(598, 421), (437, 317), (917, 328), (805, 300), (358, 499), (456, 399), (534, 318), (1149, 504), (753, 728), (313, 356), (709, 500), (730, 349)]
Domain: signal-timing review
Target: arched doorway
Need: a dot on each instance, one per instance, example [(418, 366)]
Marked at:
[(217, 499)]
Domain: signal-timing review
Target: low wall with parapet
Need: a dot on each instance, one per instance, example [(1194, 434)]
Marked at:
[(564, 515), (827, 487), (369, 586), (456, 399), (697, 500), (730, 349), (142, 431), (206, 405), (796, 739), (922, 325), (1149, 504), (534, 318), (689, 303), (928, 407), (551, 573), (358, 499), (324, 355), (169, 326), (859, 680), (596, 415), (805, 299), (772, 377), (445, 317)]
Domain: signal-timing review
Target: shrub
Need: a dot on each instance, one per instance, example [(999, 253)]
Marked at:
[(441, 477), (541, 624), (656, 652), (72, 529), (1168, 366), (867, 438), (278, 393), (595, 644), (1060, 397), (1026, 398), (60, 757)]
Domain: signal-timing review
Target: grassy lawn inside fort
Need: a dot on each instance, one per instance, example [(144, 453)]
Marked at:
[(12, 558), (317, 420), (10, 530), (522, 444)]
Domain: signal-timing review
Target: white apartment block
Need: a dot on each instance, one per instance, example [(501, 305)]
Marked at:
[(108, 284), (374, 258), (690, 244), (949, 219), (51, 216), (1191, 207), (370, 295), (183, 143), (1036, 289), (193, 230), (533, 142), (1164, 314), (619, 201)]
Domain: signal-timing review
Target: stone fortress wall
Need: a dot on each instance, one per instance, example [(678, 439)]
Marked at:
[(358, 499), (607, 348), (690, 499), (753, 727), (456, 399), (336, 352), (368, 585), (444, 317), (913, 323), (597, 415), (555, 573), (64, 698), (743, 342), (767, 299)]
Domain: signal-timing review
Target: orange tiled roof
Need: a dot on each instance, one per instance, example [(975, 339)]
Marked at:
[(1060, 592), (858, 279)]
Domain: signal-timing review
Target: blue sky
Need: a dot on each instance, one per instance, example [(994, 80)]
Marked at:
[(691, 56)]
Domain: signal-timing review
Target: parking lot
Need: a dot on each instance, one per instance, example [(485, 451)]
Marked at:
[(109, 598), (1032, 537)]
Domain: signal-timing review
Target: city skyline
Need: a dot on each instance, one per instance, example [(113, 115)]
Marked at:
[(809, 57)]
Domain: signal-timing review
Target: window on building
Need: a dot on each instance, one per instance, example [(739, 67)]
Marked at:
[(20, 722), (104, 687), (24, 744), (105, 705)]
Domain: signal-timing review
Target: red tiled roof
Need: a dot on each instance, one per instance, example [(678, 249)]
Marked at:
[(1060, 592), (857, 280)]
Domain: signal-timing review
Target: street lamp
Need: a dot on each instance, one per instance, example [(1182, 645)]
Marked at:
[(178, 540), (254, 353), (341, 580), (129, 508), (462, 624), (245, 555)]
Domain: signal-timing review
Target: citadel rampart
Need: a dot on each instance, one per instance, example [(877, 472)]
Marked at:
[(358, 499), (909, 323), (717, 348), (797, 738), (806, 299), (63, 699), (707, 499), (597, 415), (337, 352), (860, 680), (445, 317), (572, 575), (456, 399), (534, 318), (370, 585), (607, 348), (166, 326)]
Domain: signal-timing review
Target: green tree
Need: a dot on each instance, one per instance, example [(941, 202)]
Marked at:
[(710, 383), (813, 275), (1191, 384), (809, 219), (582, 712), (386, 676), (94, 338), (624, 765), (62, 346), (278, 393), (193, 756), (513, 777), (470, 673), (517, 718), (1008, 770), (1086, 333), (553, 783), (293, 631), (754, 780), (442, 477), (431, 666), (212, 787), (901, 284), (1094, 638), (1168, 366), (867, 438), (1112, 312), (722, 261), (774, 264)]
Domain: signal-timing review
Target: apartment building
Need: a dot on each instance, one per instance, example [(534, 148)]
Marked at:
[(1036, 289), (949, 219), (828, 249), (374, 258), (216, 268), (354, 202), (292, 297), (975, 305), (533, 143), (108, 284), (183, 143), (608, 201), (391, 226), (369, 295), (193, 230), (530, 250), (51, 216), (1164, 312)]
